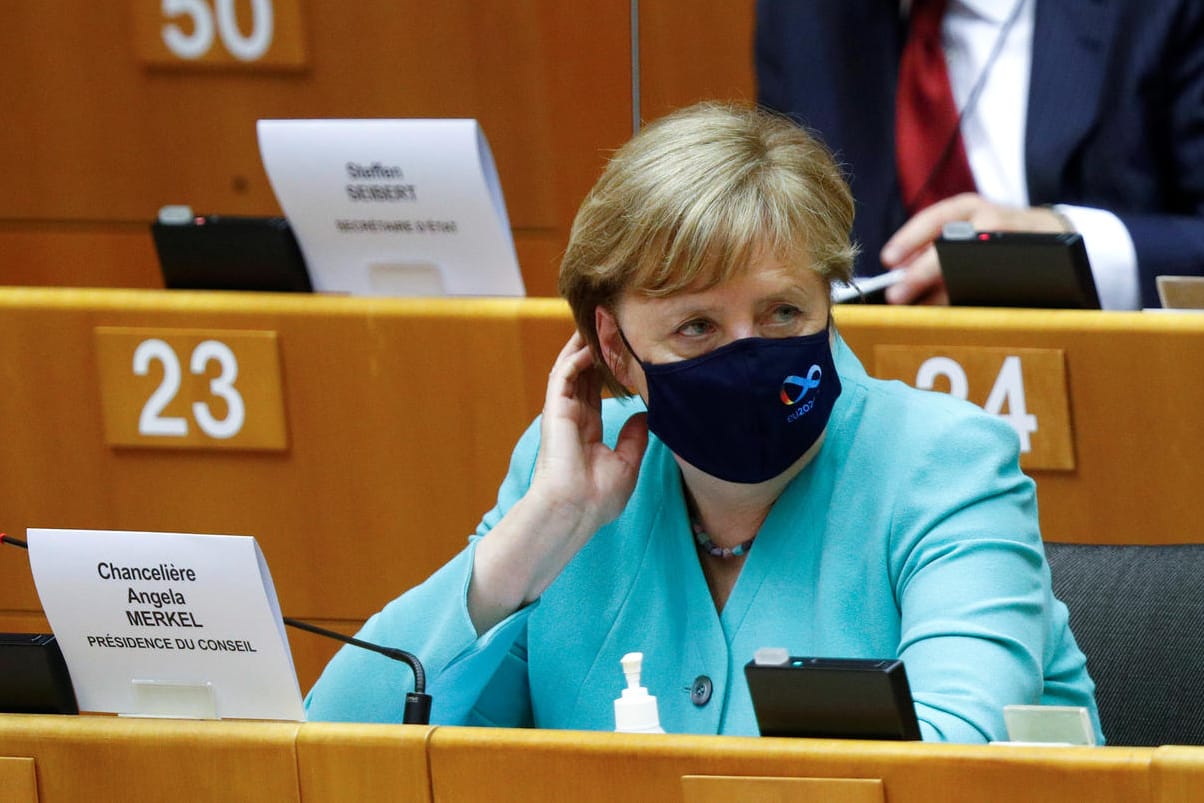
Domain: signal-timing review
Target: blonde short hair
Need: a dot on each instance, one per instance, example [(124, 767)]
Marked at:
[(693, 198)]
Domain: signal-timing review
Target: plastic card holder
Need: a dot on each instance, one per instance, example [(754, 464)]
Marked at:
[(1048, 724), (172, 699)]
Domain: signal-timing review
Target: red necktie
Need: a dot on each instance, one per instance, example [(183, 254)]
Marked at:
[(929, 152)]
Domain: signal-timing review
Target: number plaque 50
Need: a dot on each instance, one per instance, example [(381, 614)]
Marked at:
[(191, 388), (249, 34)]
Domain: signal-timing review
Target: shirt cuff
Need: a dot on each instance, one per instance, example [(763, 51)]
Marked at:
[(1111, 253)]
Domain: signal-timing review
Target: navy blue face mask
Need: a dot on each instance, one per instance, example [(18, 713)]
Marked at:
[(747, 411)]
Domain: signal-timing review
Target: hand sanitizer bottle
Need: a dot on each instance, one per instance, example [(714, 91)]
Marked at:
[(635, 710)]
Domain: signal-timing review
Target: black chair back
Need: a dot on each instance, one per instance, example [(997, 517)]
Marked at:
[(1137, 613)]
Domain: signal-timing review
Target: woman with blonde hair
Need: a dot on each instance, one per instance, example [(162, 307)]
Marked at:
[(748, 485)]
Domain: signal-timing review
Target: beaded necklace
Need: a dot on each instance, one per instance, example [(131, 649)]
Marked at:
[(711, 548)]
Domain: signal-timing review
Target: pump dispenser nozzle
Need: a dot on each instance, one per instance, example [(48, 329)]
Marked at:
[(635, 709)]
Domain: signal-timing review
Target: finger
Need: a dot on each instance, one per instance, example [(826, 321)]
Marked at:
[(572, 345), (936, 297), (633, 440), (589, 394), (991, 217), (922, 278), (563, 379), (618, 475), (925, 226)]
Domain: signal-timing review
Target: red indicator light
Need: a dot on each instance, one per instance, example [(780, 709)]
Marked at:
[(984, 236)]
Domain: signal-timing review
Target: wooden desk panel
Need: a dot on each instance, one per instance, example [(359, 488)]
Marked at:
[(401, 420), (363, 762), (514, 765), (19, 780), (133, 760), (1136, 385), (144, 760), (1178, 774)]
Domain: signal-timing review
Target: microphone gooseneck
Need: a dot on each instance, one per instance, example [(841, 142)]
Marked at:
[(418, 703)]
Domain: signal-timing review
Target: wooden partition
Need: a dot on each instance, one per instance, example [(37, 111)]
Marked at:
[(150, 761), (401, 414), (355, 762), (58, 759), (511, 765), (1135, 386), (104, 125)]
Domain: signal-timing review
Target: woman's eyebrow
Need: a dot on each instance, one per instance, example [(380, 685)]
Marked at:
[(677, 308)]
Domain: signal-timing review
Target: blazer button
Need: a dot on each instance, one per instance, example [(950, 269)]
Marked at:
[(700, 691)]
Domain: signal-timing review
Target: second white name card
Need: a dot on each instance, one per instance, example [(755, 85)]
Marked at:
[(393, 207)]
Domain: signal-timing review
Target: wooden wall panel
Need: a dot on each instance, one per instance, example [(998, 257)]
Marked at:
[(78, 254), (692, 51), (95, 135), (97, 140)]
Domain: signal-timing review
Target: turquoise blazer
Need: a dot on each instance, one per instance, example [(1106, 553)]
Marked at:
[(911, 534)]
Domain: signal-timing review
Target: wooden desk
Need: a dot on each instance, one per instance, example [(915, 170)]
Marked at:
[(106, 758), (401, 415), (112, 759), (511, 765), (356, 762), (1136, 389)]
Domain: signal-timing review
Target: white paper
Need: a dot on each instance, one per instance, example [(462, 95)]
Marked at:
[(169, 607), (393, 207)]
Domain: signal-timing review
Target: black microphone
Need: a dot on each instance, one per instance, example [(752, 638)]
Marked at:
[(418, 703)]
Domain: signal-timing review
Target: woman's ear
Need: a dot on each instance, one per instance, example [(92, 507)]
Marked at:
[(614, 352)]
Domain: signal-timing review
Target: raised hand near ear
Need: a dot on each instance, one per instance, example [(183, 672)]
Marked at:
[(574, 466), (579, 485)]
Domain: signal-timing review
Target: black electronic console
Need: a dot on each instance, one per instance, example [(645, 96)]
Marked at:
[(228, 252), (831, 698), (33, 676), (1015, 269)]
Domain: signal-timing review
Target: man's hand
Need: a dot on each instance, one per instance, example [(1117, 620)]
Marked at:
[(911, 249)]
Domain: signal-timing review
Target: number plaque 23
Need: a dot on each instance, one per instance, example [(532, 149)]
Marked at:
[(186, 388)]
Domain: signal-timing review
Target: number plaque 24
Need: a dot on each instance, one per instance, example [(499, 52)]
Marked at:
[(1026, 387)]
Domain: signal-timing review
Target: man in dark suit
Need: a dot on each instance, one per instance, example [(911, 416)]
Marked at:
[(1115, 125)]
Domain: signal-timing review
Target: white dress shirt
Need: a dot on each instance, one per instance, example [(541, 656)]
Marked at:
[(994, 128)]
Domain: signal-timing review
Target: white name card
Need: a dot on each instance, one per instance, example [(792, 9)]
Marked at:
[(140, 613), (393, 207)]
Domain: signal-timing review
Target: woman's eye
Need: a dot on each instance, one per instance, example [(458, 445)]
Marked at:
[(696, 328), (786, 313)]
